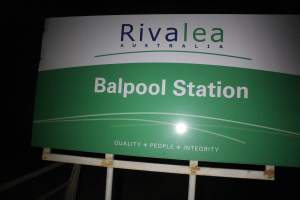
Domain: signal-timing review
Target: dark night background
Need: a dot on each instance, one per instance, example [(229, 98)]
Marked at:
[(23, 26)]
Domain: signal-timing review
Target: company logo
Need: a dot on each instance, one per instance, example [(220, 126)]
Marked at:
[(183, 36)]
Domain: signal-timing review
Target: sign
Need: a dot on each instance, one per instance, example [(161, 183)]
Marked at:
[(218, 88)]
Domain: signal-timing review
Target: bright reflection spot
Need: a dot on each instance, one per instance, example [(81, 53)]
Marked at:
[(181, 128)]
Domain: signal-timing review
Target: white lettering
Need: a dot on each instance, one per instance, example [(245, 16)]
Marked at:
[(99, 85), (179, 88)]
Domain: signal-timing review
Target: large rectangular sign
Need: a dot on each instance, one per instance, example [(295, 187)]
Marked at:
[(219, 88)]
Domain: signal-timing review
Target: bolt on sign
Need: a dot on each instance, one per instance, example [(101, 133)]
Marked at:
[(218, 88)]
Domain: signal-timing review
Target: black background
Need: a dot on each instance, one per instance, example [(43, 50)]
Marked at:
[(23, 25)]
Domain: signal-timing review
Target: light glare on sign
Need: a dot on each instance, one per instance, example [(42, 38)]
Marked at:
[(181, 128)]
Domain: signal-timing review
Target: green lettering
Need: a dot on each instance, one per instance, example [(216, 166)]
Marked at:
[(197, 33), (217, 36)]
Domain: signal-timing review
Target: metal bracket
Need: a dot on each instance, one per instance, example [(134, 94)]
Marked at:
[(108, 162), (270, 171), (46, 152), (194, 167)]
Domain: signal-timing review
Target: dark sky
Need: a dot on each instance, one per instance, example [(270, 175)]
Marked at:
[(23, 28)]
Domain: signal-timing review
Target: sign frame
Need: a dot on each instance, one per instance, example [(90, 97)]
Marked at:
[(192, 170)]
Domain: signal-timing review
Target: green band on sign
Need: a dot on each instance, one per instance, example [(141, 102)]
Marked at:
[(177, 111)]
